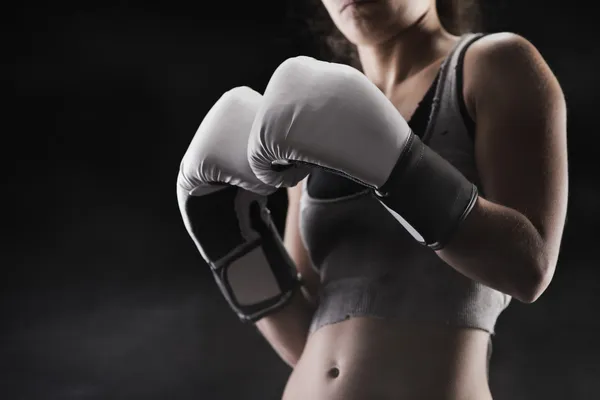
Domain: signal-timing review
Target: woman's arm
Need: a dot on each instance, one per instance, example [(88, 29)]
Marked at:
[(511, 239), (295, 246), (286, 330)]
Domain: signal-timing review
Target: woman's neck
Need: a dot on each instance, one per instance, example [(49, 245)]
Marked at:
[(406, 53)]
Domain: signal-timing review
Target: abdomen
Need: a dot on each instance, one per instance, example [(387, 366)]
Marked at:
[(367, 358)]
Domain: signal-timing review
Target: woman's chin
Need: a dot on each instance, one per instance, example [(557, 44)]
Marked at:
[(367, 27), (362, 36)]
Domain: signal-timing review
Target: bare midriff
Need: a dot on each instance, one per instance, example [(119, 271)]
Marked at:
[(368, 358)]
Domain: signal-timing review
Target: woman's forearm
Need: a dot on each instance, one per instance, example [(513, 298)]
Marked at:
[(499, 247), (286, 329)]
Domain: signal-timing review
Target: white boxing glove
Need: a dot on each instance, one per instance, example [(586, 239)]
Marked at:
[(224, 209), (326, 115)]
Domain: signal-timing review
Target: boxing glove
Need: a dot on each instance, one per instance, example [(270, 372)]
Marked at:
[(224, 209), (326, 115)]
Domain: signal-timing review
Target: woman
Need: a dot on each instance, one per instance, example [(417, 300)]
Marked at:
[(380, 316)]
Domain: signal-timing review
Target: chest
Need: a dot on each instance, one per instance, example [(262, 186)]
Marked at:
[(409, 94)]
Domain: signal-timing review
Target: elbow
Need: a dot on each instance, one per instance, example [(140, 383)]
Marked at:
[(531, 293), (535, 280)]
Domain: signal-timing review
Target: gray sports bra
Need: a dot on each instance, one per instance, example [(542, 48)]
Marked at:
[(370, 266)]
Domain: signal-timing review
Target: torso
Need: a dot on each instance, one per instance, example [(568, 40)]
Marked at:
[(367, 358), (370, 358)]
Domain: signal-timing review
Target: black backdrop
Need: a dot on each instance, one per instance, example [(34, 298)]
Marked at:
[(103, 294)]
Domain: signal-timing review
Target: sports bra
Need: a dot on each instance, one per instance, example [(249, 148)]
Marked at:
[(368, 263)]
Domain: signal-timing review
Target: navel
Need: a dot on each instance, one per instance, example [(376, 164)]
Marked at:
[(333, 372)]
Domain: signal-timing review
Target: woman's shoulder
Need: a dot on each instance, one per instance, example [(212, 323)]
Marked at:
[(498, 53), (502, 45), (502, 60)]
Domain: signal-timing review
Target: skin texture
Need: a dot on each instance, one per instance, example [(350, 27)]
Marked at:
[(521, 155), (509, 242)]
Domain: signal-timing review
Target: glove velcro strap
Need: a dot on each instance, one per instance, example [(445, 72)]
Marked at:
[(428, 193), (260, 277), (235, 234), (253, 286)]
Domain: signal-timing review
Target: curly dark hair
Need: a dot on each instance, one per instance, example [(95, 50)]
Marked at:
[(457, 17)]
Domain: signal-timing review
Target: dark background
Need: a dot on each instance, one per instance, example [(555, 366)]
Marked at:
[(104, 295)]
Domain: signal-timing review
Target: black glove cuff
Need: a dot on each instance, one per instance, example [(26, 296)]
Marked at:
[(429, 193)]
